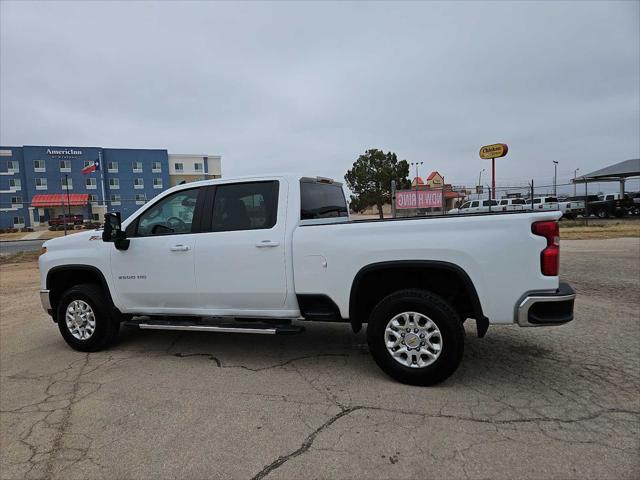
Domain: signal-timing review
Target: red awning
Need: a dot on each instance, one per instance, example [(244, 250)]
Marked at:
[(449, 195), (60, 199)]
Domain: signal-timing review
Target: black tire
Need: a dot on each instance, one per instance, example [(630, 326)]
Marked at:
[(602, 213), (106, 325), (440, 313)]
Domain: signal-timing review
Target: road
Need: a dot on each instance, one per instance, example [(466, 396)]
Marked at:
[(559, 402), (9, 247)]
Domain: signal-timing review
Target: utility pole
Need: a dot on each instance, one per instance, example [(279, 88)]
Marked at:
[(417, 177), (574, 180), (104, 202), (555, 178)]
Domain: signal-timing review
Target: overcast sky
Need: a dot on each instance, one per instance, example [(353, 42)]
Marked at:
[(307, 87)]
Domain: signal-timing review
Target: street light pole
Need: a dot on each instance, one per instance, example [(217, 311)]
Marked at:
[(480, 177), (574, 180), (416, 164), (555, 178)]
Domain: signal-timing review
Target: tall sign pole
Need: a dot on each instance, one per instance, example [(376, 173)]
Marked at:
[(492, 152), (100, 167)]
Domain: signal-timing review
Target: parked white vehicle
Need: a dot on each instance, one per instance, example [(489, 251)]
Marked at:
[(511, 204), (252, 255), (544, 203), (476, 206), (571, 208)]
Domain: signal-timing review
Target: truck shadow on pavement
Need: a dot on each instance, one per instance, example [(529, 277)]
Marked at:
[(502, 351)]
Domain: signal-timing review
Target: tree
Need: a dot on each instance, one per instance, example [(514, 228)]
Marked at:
[(370, 179)]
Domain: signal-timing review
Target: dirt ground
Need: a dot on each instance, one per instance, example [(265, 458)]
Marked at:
[(559, 402)]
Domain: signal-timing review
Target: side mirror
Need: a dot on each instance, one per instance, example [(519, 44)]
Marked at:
[(113, 231)]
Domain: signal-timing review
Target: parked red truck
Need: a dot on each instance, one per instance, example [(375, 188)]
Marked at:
[(69, 220)]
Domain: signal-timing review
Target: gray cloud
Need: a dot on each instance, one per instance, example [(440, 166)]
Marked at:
[(309, 86)]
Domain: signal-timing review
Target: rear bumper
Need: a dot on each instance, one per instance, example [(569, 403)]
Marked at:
[(538, 309)]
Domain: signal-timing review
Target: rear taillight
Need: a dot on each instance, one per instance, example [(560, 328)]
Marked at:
[(550, 256)]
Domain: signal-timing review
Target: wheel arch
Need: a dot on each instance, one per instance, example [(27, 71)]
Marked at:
[(63, 277), (374, 281)]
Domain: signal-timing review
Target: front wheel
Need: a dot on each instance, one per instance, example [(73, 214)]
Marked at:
[(85, 320), (416, 337)]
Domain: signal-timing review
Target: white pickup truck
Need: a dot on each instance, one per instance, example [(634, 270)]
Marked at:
[(260, 255)]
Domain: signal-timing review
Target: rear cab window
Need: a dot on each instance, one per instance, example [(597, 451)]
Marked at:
[(322, 200), (245, 206)]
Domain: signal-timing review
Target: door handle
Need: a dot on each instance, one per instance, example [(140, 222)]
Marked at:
[(267, 243), (179, 248)]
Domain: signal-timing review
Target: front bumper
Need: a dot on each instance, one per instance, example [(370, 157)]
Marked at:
[(45, 301), (538, 309)]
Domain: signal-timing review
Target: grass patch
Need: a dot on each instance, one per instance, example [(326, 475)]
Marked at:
[(19, 257), (576, 230)]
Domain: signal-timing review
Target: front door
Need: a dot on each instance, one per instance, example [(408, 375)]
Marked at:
[(156, 273), (240, 263)]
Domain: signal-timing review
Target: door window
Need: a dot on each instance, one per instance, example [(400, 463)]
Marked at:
[(170, 216), (466, 205), (245, 206), (475, 204)]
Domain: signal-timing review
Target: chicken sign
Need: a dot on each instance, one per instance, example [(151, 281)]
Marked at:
[(492, 152)]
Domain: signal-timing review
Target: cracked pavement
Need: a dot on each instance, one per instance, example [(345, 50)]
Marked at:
[(559, 402)]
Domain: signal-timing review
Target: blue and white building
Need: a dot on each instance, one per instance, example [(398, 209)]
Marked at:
[(40, 182)]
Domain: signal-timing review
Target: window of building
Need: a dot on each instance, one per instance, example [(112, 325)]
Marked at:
[(41, 183), (15, 184), (65, 165), (91, 183), (87, 163), (13, 166), (137, 167), (171, 215), (18, 222), (112, 167), (179, 167), (95, 217), (66, 183), (115, 199), (197, 167), (93, 198), (140, 198), (6, 153), (138, 183), (16, 202), (157, 167), (157, 183), (114, 183), (245, 206), (39, 166)]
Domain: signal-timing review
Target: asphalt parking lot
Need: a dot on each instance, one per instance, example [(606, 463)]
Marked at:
[(560, 402)]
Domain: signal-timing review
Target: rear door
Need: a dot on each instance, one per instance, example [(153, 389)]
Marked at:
[(240, 259)]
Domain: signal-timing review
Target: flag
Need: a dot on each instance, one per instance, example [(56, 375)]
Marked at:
[(91, 168)]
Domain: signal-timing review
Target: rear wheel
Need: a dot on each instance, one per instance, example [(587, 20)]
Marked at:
[(416, 337), (85, 320), (602, 213)]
